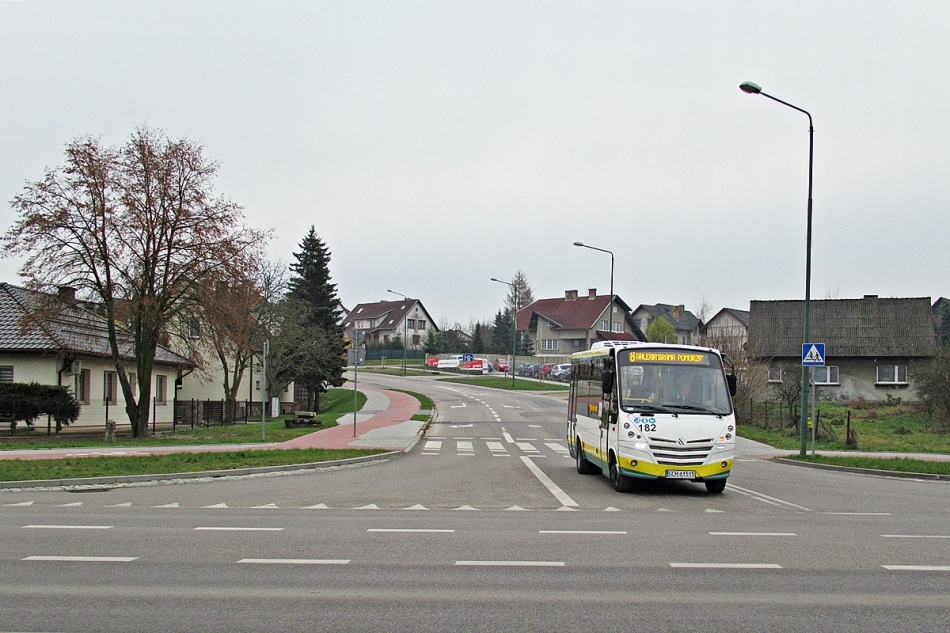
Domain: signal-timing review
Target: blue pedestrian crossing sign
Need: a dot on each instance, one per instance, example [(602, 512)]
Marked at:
[(813, 354)]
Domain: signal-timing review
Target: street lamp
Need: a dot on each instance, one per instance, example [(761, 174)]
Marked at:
[(610, 309), (514, 330), (405, 328), (754, 89)]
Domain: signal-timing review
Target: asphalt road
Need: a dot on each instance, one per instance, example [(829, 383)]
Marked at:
[(484, 525)]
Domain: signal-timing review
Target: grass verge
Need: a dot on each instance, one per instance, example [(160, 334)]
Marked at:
[(80, 467), (897, 464), (505, 383)]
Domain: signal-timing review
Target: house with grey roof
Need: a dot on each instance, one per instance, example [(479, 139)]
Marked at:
[(727, 324), (871, 345), (687, 325), (56, 340), (383, 322), (564, 325)]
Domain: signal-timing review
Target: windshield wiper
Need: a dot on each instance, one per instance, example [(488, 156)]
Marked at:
[(691, 407), (646, 407)]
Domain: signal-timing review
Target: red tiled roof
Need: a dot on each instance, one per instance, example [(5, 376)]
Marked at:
[(579, 314)]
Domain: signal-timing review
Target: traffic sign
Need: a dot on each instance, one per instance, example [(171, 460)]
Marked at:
[(468, 357), (813, 354)]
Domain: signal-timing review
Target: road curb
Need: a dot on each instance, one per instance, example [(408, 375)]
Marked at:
[(237, 472), (862, 471)]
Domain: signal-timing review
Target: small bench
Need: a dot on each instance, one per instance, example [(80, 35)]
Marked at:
[(302, 418)]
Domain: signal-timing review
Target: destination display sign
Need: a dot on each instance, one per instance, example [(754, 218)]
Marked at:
[(668, 357)]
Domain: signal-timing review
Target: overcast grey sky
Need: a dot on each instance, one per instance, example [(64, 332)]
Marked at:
[(435, 145)]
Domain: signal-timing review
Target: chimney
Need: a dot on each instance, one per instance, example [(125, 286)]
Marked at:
[(678, 312), (66, 294), (592, 293), (870, 296), (570, 295)]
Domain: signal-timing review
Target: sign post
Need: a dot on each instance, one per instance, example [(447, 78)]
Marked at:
[(813, 355)]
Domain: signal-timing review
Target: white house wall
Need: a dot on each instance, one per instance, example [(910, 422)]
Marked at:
[(44, 370)]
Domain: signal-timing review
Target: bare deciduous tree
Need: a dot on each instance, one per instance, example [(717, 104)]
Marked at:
[(137, 229)]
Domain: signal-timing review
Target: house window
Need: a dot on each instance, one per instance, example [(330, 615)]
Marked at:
[(617, 327), (892, 374), (110, 387), (412, 324), (6, 373), (549, 344), (161, 389), (422, 324), (603, 325), (82, 386), (415, 339), (775, 374), (577, 343), (827, 375), (194, 329)]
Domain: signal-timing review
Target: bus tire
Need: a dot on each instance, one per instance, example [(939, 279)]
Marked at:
[(621, 482), (715, 486), (584, 467)]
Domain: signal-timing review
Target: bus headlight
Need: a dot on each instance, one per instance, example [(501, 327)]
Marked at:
[(721, 447), (640, 446)]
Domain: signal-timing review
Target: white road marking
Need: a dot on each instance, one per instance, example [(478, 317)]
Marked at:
[(22, 503), (238, 529), (461, 426), (556, 447), (319, 506), (371, 506), (582, 532), (433, 445), (559, 494), (496, 447), (766, 498), (859, 514), (412, 530), (266, 506), (527, 448), (914, 536), (418, 506), (508, 438), (217, 505), (464, 447), (68, 527), (127, 504), (458, 406), (753, 534), (296, 561), (917, 567), (509, 563), (725, 566), (86, 559), (169, 505), (74, 504)]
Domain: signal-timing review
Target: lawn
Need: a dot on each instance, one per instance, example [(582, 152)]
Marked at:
[(886, 427)]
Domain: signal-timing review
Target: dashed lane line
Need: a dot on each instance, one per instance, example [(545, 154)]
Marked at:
[(552, 487)]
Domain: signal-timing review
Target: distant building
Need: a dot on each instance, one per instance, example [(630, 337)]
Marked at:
[(686, 324), (562, 326), (382, 322), (871, 344)]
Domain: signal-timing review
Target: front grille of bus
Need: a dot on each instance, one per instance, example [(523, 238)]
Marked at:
[(670, 453)]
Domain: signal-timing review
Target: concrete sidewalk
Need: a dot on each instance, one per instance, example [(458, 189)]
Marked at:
[(383, 422)]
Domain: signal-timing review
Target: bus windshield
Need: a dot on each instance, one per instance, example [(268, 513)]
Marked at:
[(674, 381)]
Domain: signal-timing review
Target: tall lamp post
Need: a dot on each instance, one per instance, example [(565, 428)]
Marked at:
[(610, 309), (405, 328), (754, 89), (514, 330)]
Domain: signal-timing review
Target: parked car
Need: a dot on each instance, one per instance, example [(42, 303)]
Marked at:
[(501, 364), (561, 372), (524, 369), (545, 370)]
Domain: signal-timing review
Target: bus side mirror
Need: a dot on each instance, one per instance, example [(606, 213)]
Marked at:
[(607, 382), (731, 379)]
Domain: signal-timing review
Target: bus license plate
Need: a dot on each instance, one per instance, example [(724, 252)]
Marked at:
[(680, 474)]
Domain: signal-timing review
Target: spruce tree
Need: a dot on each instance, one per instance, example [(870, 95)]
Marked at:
[(310, 288)]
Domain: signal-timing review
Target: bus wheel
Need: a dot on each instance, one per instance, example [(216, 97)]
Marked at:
[(621, 482), (584, 467), (715, 486)]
